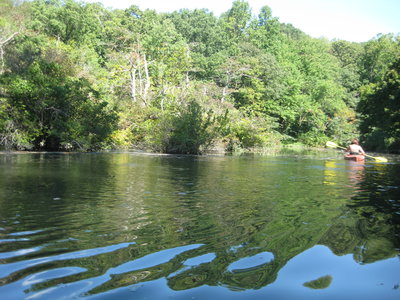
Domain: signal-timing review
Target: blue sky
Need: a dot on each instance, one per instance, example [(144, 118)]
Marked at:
[(352, 20)]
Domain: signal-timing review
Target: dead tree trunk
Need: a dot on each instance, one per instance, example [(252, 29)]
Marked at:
[(2, 45), (147, 83)]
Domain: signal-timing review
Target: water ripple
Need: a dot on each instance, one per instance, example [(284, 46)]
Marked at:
[(24, 233), (125, 226), (11, 254), (94, 284), (8, 269), (251, 262), (151, 260)]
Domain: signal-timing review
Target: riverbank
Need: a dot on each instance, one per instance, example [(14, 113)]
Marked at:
[(288, 150), (294, 149)]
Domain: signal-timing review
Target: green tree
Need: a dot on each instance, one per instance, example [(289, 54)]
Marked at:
[(380, 108), (264, 30), (236, 21), (187, 129), (71, 22), (205, 38), (254, 79), (349, 56), (153, 59), (63, 62), (378, 54), (55, 109), (13, 17)]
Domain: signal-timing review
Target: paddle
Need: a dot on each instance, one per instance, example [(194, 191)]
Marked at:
[(334, 145)]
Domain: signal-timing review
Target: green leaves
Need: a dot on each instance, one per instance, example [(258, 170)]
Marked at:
[(81, 62), (237, 19), (188, 129), (380, 108), (52, 107)]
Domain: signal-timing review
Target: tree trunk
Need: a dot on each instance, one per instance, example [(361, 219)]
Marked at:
[(223, 94), (133, 84), (2, 44), (147, 83)]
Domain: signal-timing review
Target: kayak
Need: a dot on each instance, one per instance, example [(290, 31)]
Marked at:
[(354, 157)]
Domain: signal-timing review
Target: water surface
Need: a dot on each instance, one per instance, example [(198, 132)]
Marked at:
[(138, 226)]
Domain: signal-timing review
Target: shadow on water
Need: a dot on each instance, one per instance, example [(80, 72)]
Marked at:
[(94, 224)]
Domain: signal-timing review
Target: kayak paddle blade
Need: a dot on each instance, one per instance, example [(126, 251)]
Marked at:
[(331, 145), (380, 159)]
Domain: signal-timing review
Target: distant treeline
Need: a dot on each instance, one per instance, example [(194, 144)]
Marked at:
[(77, 76)]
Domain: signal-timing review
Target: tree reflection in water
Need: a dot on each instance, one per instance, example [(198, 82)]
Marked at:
[(233, 222)]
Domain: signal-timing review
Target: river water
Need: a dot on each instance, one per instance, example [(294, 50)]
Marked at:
[(140, 226)]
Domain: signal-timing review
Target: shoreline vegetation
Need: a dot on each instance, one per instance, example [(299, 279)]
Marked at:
[(211, 151), (295, 149), (77, 76)]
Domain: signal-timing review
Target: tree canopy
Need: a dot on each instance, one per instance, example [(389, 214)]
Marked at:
[(79, 76)]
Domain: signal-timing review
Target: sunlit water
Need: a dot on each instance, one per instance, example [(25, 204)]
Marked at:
[(137, 226)]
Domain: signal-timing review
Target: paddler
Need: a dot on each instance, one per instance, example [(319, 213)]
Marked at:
[(354, 148)]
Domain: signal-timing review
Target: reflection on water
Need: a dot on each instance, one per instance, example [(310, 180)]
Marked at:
[(123, 225)]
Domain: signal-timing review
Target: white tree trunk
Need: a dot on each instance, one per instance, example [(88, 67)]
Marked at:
[(133, 84), (223, 94), (2, 44), (147, 82)]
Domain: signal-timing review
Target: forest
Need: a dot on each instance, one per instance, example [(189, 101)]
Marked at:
[(76, 76)]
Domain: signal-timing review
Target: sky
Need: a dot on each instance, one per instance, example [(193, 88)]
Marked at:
[(352, 20)]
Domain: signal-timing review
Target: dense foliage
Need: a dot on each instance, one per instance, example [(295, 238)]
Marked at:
[(77, 76)]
